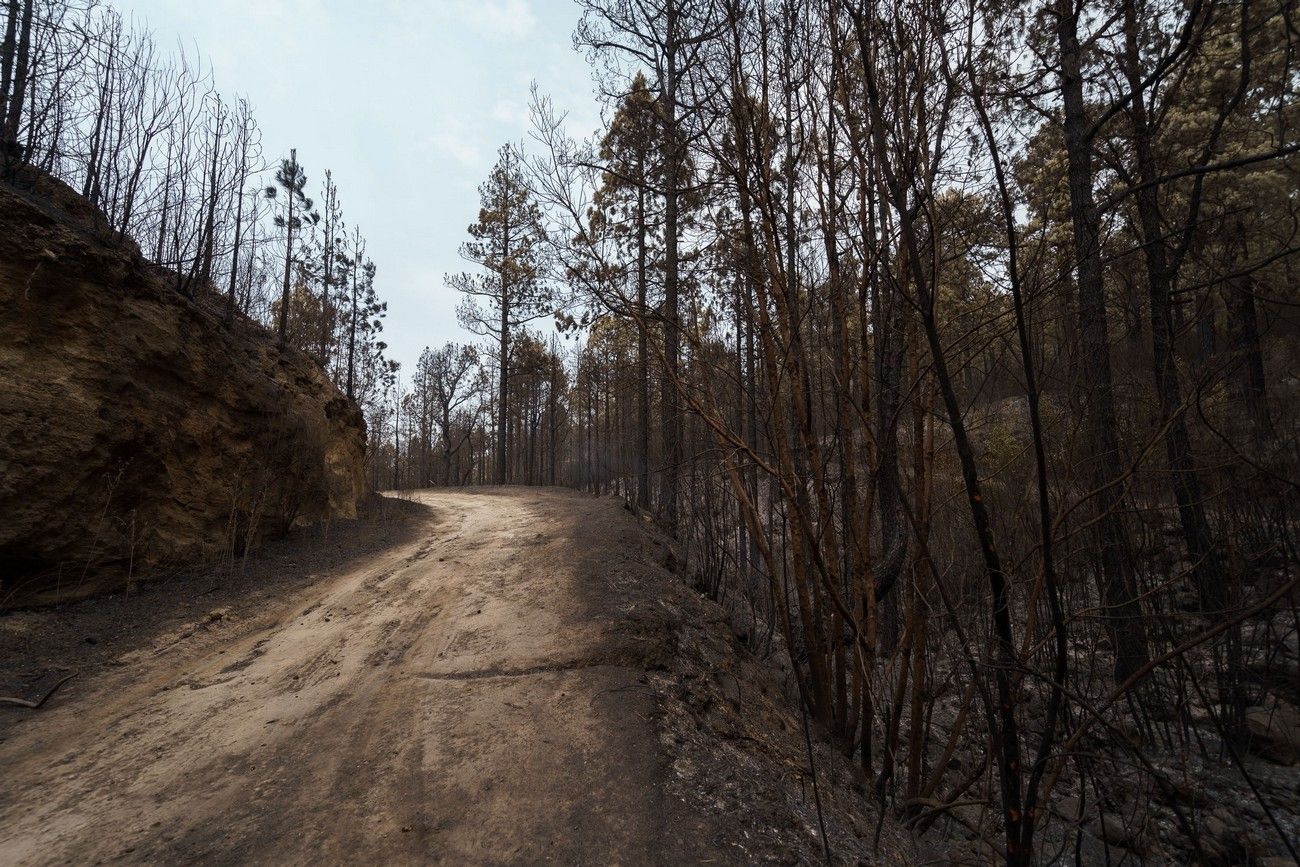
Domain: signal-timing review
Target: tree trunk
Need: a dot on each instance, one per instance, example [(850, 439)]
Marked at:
[(239, 226), (288, 257), (1243, 325), (7, 48), (1105, 459), (9, 147), (502, 474), (672, 432), (1207, 569), (210, 222), (642, 359), (357, 252)]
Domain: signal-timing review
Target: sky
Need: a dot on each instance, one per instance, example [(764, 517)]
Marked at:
[(405, 101)]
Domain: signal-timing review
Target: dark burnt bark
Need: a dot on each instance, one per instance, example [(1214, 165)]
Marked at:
[(1104, 458)]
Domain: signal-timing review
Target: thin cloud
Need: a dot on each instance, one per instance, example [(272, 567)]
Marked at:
[(455, 141), (510, 113), (454, 146), (508, 19)]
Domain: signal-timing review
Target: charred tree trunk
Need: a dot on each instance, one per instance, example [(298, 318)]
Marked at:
[(1207, 568), (1105, 458), (642, 358), (672, 429), (11, 150)]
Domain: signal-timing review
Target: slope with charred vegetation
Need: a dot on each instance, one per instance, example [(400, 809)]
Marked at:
[(139, 430)]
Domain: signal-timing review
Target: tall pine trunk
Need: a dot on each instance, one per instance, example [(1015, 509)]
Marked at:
[(1207, 568), (10, 150), (1105, 463), (642, 357), (288, 257), (672, 432)]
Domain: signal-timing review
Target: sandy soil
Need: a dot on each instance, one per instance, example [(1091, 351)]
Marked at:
[(512, 675), (456, 697)]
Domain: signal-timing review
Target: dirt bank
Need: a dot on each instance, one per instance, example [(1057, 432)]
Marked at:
[(140, 431)]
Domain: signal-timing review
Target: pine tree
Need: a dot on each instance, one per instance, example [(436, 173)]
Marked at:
[(290, 178), (506, 242), (332, 255), (365, 314), (626, 204)]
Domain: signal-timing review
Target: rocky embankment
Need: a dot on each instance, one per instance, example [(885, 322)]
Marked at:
[(139, 431)]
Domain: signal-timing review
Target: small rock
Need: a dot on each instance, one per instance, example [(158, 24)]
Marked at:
[(1223, 839), (1186, 791), (730, 688), (1275, 732), (1067, 808), (1113, 828)]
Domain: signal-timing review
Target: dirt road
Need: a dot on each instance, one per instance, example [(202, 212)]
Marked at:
[(469, 695)]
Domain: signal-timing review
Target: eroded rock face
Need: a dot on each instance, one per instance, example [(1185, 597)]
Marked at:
[(138, 431)]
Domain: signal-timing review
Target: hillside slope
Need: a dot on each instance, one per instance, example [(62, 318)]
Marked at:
[(138, 431)]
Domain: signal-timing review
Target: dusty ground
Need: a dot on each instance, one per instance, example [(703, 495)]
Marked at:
[(503, 676)]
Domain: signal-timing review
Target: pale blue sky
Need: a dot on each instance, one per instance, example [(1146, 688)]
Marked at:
[(406, 101)]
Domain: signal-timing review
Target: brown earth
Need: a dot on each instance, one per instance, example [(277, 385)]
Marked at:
[(497, 676), (139, 431)]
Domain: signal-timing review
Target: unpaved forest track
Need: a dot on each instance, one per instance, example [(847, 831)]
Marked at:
[(465, 696)]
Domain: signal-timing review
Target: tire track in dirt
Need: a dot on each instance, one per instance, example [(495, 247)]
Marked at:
[(450, 700)]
